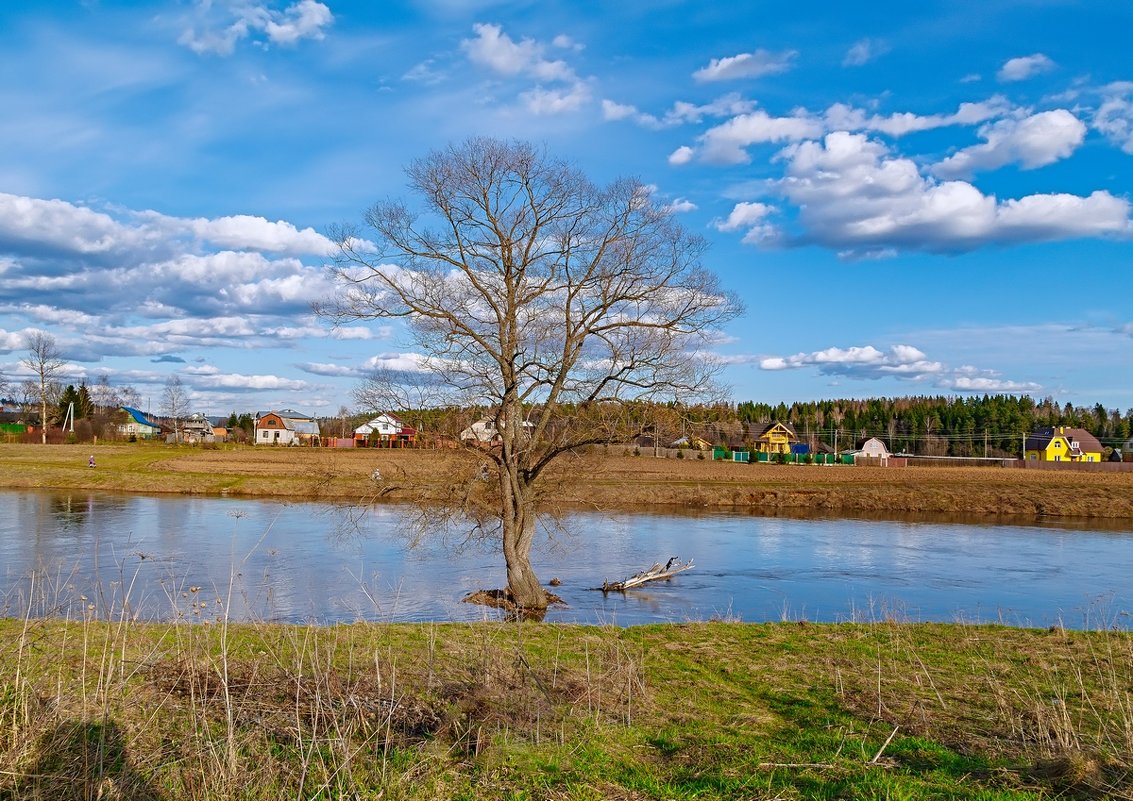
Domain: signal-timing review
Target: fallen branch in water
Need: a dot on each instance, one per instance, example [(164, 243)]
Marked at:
[(655, 573)]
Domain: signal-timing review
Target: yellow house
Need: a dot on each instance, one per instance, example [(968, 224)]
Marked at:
[(774, 438), (1062, 444)]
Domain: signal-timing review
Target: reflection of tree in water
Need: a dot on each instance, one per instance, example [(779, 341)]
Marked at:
[(81, 761), (70, 512)]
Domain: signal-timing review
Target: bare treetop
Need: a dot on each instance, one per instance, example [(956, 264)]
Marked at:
[(523, 269)]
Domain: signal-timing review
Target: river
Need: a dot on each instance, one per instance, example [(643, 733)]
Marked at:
[(70, 554)]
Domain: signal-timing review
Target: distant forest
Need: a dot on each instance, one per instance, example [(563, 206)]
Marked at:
[(992, 425)]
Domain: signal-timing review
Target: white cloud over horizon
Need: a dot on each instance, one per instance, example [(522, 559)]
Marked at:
[(904, 362)]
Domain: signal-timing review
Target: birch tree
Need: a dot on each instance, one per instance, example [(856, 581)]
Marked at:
[(44, 360), (175, 402), (530, 292)]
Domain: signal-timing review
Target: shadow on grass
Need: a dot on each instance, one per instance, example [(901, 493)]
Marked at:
[(81, 761)]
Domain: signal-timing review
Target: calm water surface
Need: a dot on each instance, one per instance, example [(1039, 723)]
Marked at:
[(66, 553)]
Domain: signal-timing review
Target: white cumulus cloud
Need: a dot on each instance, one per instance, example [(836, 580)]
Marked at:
[(746, 65), (1031, 142), (1114, 117), (682, 155), (853, 194), (904, 362), (1024, 67), (842, 117), (859, 362), (219, 27), (727, 143), (496, 51)]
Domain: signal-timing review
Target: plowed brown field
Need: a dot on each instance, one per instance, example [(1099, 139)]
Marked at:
[(597, 481)]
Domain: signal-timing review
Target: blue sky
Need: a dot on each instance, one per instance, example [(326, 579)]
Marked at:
[(910, 198)]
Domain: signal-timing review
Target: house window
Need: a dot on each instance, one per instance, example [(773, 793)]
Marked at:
[(1058, 458), (1058, 444)]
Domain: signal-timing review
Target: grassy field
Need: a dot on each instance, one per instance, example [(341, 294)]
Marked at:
[(604, 479), (118, 710)]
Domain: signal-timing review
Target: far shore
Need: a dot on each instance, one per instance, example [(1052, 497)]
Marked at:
[(607, 478)]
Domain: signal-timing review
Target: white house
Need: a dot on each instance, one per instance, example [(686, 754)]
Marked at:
[(384, 425), (484, 431), (873, 448), (387, 430)]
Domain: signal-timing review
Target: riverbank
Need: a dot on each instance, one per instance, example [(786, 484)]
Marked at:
[(604, 479), (116, 709)]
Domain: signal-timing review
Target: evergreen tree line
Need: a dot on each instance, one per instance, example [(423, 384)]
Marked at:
[(991, 425)]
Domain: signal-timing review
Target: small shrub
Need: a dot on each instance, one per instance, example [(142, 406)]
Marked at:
[(700, 455), (680, 453), (637, 451)]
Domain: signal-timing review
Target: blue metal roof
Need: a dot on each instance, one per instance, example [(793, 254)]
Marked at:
[(139, 417)]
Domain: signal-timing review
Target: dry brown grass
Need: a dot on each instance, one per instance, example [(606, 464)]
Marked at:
[(608, 480)]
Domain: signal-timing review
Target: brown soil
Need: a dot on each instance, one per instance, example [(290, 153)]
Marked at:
[(601, 481)]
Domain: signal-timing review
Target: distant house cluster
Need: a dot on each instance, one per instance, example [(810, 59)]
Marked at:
[(770, 441), (193, 430)]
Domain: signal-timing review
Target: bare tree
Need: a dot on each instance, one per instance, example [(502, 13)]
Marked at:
[(548, 301), (174, 403), (28, 396), (44, 360), (105, 396), (5, 388), (129, 396)]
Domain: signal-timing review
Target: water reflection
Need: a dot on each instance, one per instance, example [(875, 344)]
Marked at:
[(74, 555)]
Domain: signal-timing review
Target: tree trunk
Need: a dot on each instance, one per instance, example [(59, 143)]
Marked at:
[(518, 526)]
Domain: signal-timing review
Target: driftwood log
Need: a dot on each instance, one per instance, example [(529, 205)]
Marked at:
[(657, 572)]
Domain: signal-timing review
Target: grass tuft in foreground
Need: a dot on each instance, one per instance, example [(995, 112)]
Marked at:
[(114, 709)]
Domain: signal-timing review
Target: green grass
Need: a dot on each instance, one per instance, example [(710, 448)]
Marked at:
[(118, 709)]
